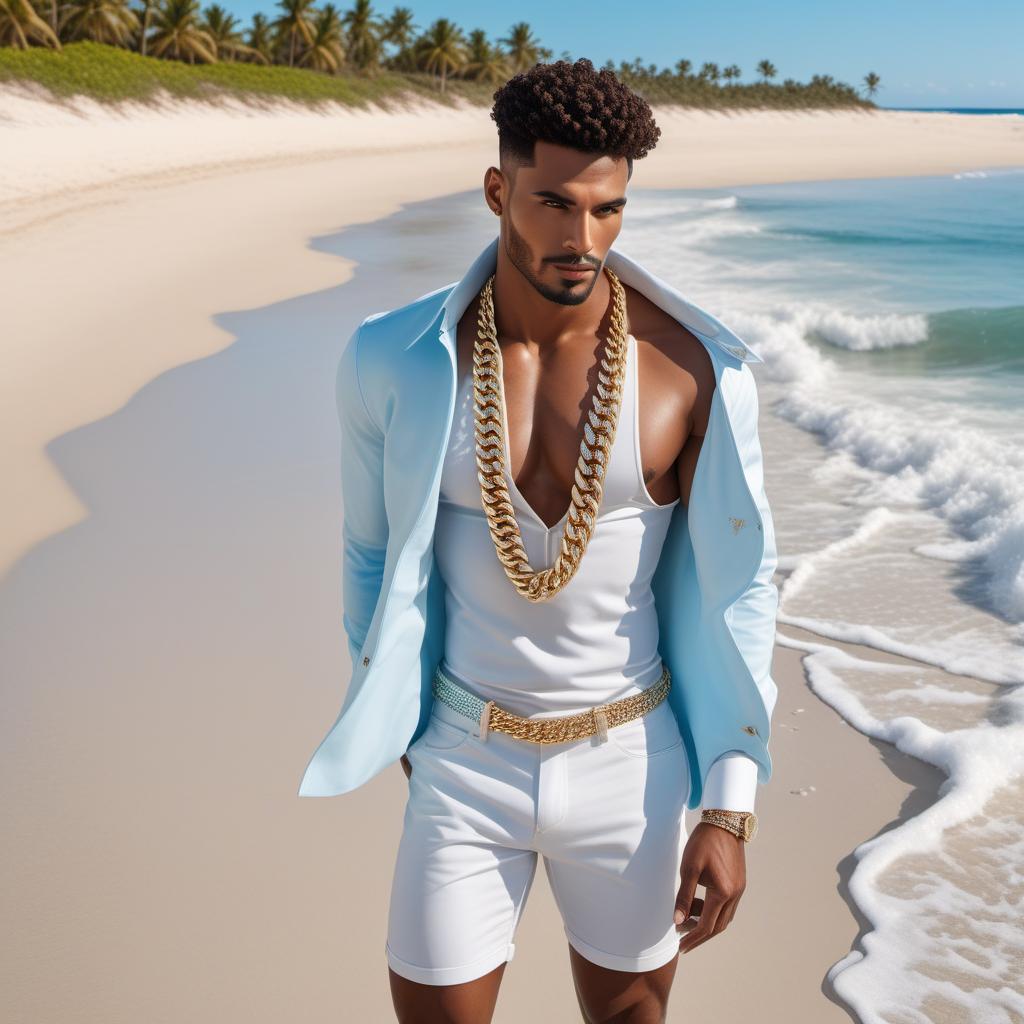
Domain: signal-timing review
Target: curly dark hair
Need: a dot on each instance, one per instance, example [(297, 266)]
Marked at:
[(572, 104)]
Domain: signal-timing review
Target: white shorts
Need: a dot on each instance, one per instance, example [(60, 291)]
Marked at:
[(608, 818)]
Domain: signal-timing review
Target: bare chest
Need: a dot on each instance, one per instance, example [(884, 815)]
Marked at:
[(548, 397)]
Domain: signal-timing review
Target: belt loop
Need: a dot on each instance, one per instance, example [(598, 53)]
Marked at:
[(485, 721)]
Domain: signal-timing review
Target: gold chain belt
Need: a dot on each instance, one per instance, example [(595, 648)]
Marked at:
[(595, 720)]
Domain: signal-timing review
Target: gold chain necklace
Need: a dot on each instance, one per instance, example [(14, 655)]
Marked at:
[(595, 448)]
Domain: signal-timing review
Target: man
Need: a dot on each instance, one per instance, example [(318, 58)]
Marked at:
[(562, 687)]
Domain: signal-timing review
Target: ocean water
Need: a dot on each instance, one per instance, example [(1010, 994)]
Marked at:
[(989, 111), (890, 314)]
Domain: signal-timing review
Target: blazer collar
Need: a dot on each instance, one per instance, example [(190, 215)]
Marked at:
[(630, 272)]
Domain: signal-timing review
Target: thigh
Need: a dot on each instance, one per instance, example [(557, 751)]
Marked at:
[(635, 996), (460, 881), (613, 859), (472, 1002)]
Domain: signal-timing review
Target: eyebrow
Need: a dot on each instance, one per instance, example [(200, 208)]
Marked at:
[(548, 194)]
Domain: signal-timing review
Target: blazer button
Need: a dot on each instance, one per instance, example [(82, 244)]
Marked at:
[(366, 661)]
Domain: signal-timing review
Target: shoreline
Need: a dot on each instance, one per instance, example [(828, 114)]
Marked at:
[(171, 141), (230, 246)]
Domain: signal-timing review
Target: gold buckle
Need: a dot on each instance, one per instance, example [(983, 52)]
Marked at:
[(485, 721), (564, 728)]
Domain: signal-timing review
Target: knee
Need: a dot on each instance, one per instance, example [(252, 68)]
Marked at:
[(647, 1012)]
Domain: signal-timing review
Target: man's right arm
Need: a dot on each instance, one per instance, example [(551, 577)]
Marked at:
[(364, 525)]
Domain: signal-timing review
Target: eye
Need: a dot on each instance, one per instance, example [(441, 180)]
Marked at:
[(553, 202)]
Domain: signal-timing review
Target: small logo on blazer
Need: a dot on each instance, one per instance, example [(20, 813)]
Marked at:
[(750, 729), (737, 524)]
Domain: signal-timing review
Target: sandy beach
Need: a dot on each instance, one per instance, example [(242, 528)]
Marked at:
[(174, 284)]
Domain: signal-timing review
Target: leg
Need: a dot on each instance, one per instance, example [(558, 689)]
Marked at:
[(607, 996), (460, 882), (613, 863), (472, 1002)]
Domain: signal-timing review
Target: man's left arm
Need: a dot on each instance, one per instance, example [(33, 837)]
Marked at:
[(714, 857)]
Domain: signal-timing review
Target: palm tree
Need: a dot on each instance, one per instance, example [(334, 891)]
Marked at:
[(261, 38), (226, 36), (326, 52), (20, 26), (178, 35), (399, 31), (145, 8), (731, 72), (683, 68), (365, 35), (294, 23), (523, 49), (485, 63), (710, 73), (442, 49), (871, 83), (766, 69), (102, 21)]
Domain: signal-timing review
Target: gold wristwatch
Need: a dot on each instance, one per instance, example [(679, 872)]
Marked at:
[(739, 823)]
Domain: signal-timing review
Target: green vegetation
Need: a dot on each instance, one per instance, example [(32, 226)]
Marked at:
[(110, 50), (110, 73)]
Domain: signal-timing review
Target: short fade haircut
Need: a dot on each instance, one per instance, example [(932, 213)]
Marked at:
[(572, 104)]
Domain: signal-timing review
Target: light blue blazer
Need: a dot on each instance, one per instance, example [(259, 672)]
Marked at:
[(715, 599)]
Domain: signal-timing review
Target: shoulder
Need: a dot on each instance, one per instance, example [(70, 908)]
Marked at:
[(672, 346), (403, 323)]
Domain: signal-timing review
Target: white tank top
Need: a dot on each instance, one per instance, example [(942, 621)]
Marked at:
[(596, 640)]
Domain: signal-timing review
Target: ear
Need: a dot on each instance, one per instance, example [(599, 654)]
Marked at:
[(495, 189)]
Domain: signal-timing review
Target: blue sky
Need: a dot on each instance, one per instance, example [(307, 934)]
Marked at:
[(928, 54)]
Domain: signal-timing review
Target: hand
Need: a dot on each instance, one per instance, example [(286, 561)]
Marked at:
[(406, 766), (714, 858)]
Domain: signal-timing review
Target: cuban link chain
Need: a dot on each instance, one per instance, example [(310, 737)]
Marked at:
[(595, 447)]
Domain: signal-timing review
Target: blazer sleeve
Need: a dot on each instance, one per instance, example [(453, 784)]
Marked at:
[(364, 523), (753, 615)]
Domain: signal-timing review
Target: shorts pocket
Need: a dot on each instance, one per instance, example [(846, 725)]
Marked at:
[(442, 735), (657, 732)]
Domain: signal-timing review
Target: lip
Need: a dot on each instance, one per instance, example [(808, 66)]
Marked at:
[(575, 272)]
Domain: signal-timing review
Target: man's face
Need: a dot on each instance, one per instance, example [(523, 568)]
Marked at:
[(563, 212)]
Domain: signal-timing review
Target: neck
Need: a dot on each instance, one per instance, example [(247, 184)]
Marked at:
[(522, 314)]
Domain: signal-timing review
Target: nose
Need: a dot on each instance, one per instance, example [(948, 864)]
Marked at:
[(579, 243)]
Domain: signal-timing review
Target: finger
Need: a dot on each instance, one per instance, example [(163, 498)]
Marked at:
[(713, 904), (728, 913), (694, 919), (685, 896)]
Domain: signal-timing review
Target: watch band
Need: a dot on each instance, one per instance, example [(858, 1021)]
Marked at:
[(740, 823)]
